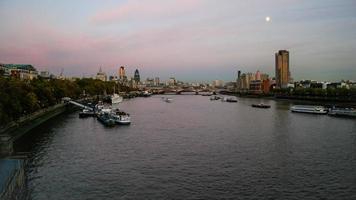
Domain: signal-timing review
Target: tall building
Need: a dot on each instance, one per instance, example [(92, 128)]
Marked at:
[(282, 69), (137, 76), (122, 75), (238, 81)]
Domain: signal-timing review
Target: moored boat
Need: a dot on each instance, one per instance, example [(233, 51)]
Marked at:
[(215, 98), (342, 112), (86, 113), (106, 119), (260, 105), (121, 117), (231, 100), (309, 109), (207, 94)]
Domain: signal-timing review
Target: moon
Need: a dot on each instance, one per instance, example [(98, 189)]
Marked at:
[(268, 19)]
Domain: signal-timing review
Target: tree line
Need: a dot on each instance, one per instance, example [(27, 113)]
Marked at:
[(22, 97)]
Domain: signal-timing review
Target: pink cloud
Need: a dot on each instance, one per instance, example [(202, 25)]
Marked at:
[(135, 9)]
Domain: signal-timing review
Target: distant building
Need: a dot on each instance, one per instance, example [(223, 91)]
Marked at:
[(156, 82), (112, 78), (19, 71), (245, 81), (150, 82), (137, 76), (101, 75), (218, 83), (122, 74), (44, 74), (264, 77), (258, 75), (266, 86), (172, 81), (255, 87), (282, 69)]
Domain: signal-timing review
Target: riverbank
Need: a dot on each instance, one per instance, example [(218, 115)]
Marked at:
[(326, 101), (16, 129)]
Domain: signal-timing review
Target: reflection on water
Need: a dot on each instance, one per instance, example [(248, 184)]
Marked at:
[(194, 148)]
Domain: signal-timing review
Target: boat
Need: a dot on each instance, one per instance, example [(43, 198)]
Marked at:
[(86, 113), (146, 94), (207, 94), (260, 105), (106, 119), (121, 117), (231, 100), (115, 98), (215, 98), (342, 112), (309, 109), (168, 100)]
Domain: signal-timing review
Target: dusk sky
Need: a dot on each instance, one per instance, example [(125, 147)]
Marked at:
[(187, 39)]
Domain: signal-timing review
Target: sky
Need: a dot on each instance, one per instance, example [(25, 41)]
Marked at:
[(192, 40)]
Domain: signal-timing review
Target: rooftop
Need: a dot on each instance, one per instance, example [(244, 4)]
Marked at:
[(19, 66)]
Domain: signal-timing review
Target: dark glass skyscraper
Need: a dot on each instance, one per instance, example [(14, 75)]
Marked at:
[(137, 76)]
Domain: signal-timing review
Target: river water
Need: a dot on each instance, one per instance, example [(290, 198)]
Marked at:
[(193, 148)]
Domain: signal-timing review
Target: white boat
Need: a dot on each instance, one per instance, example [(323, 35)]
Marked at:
[(229, 99), (115, 98), (168, 100), (343, 112), (121, 117), (309, 109)]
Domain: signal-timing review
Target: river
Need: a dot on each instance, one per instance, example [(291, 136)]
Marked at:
[(193, 148)]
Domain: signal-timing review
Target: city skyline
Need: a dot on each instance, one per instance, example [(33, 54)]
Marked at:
[(190, 40)]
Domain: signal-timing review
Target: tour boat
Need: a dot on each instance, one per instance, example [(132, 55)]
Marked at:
[(309, 109), (260, 105), (343, 112), (121, 117), (229, 99)]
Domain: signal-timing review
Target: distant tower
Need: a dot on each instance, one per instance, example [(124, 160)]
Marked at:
[(137, 76), (101, 75), (258, 75), (238, 74), (122, 73), (282, 69)]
